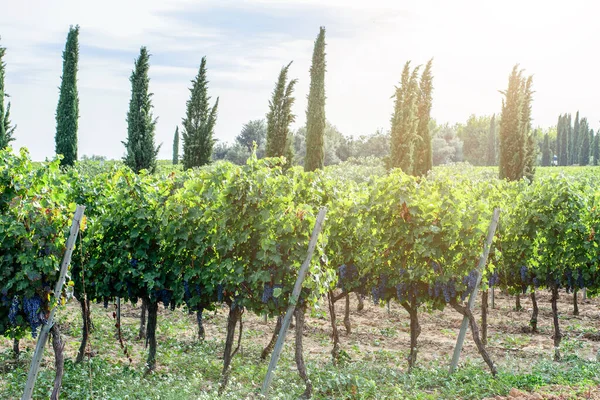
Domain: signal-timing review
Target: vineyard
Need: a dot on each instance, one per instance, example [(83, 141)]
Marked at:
[(215, 250)]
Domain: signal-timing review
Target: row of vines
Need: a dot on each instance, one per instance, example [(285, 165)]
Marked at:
[(237, 236)]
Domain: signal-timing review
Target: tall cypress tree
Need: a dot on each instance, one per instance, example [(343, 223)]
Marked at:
[(596, 148), (564, 141), (199, 122), (176, 147), (315, 113), (6, 130), (584, 147), (575, 140), (491, 143), (569, 130), (559, 140), (526, 131), (423, 152), (67, 112), (280, 115), (517, 152), (405, 121), (546, 152), (140, 149), (591, 139)]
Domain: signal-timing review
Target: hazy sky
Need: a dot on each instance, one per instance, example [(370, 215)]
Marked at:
[(474, 45)]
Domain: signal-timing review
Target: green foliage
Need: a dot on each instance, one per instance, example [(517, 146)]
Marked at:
[(315, 112), (492, 157), (140, 149), (584, 148), (6, 129), (546, 152), (596, 148), (563, 129), (67, 111), (253, 132), (517, 152), (475, 135), (575, 141), (548, 234), (199, 122), (423, 152), (405, 121), (280, 115), (34, 222), (176, 147), (446, 146)]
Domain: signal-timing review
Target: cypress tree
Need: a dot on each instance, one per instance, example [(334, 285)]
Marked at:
[(575, 141), (176, 147), (596, 148), (528, 167), (6, 130), (546, 152), (280, 116), (199, 122), (140, 149), (315, 113), (584, 148), (564, 141), (517, 151), (591, 146), (67, 111), (423, 152), (405, 121), (569, 130), (558, 140), (491, 145)]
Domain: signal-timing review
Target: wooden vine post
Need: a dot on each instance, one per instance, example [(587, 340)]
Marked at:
[(45, 331), (285, 324), (482, 261)]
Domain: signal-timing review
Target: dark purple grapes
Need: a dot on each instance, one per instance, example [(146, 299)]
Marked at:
[(32, 307), (220, 292), (163, 296), (14, 310), (267, 293)]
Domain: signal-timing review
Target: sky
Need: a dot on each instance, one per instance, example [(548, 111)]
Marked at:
[(474, 45)]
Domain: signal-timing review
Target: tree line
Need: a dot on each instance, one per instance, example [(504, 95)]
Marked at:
[(414, 142)]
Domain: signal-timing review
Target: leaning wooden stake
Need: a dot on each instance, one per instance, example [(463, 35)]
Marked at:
[(43, 337), (482, 261), (293, 301)]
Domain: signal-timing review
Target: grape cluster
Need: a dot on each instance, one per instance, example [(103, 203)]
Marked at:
[(15, 307), (402, 291), (220, 292), (436, 267), (268, 292), (133, 262), (469, 280), (574, 283), (378, 292), (163, 296), (348, 275), (441, 290), (32, 307), (494, 279)]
